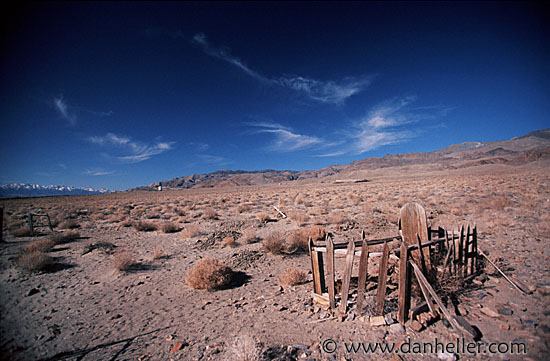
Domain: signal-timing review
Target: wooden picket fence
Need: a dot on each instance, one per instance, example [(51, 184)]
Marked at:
[(414, 258)]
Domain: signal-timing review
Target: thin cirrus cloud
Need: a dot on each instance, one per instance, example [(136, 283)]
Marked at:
[(63, 109), (133, 151), (285, 140), (98, 172), (334, 92)]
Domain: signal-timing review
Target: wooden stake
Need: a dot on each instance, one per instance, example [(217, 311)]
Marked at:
[(363, 275), (382, 278), (447, 257), (461, 250), (516, 286), (404, 298), (281, 213), (347, 277), (317, 269), (421, 255), (30, 224), (475, 267), (330, 272)]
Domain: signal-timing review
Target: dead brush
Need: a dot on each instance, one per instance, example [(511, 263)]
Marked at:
[(169, 227), (39, 245), (263, 217), (299, 240), (210, 213), (22, 231), (64, 237), (34, 261), (274, 243), (69, 224), (209, 274), (191, 231), (292, 277), (250, 237), (123, 261), (158, 254), (144, 226), (300, 218), (229, 242)]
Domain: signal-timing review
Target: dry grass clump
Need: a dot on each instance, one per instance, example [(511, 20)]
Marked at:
[(34, 261), (263, 217), (300, 218), (274, 243), (144, 226), (244, 348), (123, 261), (69, 224), (244, 208), (158, 253), (22, 231), (250, 237), (209, 274), (210, 213), (191, 231), (64, 237), (298, 240), (337, 218), (229, 242), (39, 245), (292, 277), (169, 227)]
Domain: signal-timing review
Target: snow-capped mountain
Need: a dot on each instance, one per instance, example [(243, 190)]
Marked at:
[(35, 190)]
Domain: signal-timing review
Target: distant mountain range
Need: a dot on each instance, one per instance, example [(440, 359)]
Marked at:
[(516, 151), (15, 190)]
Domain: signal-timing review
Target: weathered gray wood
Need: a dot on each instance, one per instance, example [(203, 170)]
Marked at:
[(421, 256), (371, 242), (516, 286), (454, 323), (330, 272), (382, 279), (467, 254), (412, 222), (317, 269), (475, 267), (447, 257), (363, 274), (347, 277), (461, 250), (49, 222), (404, 297), (30, 224)]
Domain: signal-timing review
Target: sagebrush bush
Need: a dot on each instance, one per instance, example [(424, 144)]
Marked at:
[(274, 243), (209, 274), (69, 224), (123, 261), (169, 227), (39, 245), (64, 237), (34, 261), (144, 226), (190, 231), (292, 277), (22, 231)]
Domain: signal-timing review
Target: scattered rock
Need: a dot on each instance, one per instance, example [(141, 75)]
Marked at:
[(489, 312), (389, 320), (351, 316), (462, 310), (396, 328), (377, 321), (447, 356), (416, 326), (33, 291), (178, 346), (505, 311), (504, 326)]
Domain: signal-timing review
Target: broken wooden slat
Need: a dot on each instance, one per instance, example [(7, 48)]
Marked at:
[(461, 249), (475, 266), (321, 299), (413, 221), (363, 274), (404, 298), (421, 255), (371, 242), (49, 222), (467, 254), (454, 252), (447, 257), (281, 213), (503, 274), (317, 269), (382, 278), (454, 323), (347, 277), (30, 224), (330, 272)]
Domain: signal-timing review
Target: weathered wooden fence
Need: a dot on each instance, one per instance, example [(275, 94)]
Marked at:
[(36, 221)]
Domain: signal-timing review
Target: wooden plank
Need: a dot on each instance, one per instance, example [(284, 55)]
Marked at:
[(461, 250), (371, 242), (447, 258), (317, 270), (421, 256), (454, 323), (347, 277), (49, 222), (502, 273), (454, 252), (413, 221), (404, 297), (467, 258), (330, 272), (475, 267), (382, 279), (363, 274), (321, 299)]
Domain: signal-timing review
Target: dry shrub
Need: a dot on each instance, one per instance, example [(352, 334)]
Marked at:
[(244, 208), (244, 348), (229, 242), (34, 261), (22, 231), (299, 240), (158, 253), (250, 237), (337, 218), (263, 217), (123, 261), (69, 224), (190, 231), (169, 227), (39, 245), (144, 226), (210, 274), (292, 277), (64, 237), (274, 243), (210, 213), (300, 218)]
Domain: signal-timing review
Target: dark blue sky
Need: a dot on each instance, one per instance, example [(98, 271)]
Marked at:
[(119, 95)]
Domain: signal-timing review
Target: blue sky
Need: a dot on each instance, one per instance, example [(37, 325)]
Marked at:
[(118, 95)]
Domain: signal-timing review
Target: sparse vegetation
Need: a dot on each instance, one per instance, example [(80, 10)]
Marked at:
[(123, 261), (144, 226), (34, 261), (292, 277), (169, 227), (209, 274), (39, 245), (274, 243)]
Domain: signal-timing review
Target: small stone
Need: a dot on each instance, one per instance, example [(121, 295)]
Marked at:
[(504, 326), (396, 328), (178, 346), (377, 321), (489, 312), (283, 308), (446, 356), (389, 320), (324, 315), (351, 316), (462, 310), (505, 311), (415, 326), (300, 346)]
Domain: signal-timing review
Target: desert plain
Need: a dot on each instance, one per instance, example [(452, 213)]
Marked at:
[(115, 284)]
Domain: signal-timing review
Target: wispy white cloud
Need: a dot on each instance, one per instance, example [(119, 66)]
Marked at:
[(64, 110), (213, 159), (134, 151), (330, 91), (285, 140), (98, 172)]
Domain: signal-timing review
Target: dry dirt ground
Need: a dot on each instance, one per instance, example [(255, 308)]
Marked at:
[(82, 307)]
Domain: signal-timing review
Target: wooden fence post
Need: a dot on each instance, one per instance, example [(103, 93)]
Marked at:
[(363, 274), (317, 268), (350, 254), (30, 224), (382, 278), (330, 272), (404, 298)]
